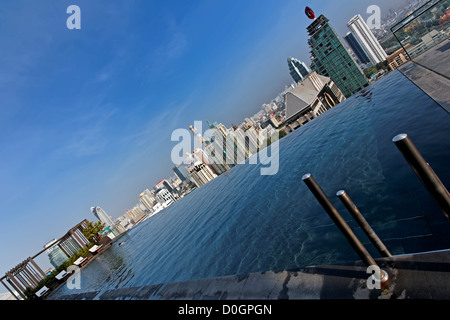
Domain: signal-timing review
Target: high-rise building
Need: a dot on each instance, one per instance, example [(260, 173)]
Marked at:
[(164, 184), (234, 148), (366, 39), (181, 172), (249, 140), (200, 155), (101, 215), (148, 199), (201, 173), (55, 254), (356, 48), (62, 249), (330, 58), (214, 153), (136, 214), (164, 197), (297, 69)]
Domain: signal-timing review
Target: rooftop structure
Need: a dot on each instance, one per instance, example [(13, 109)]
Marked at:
[(28, 274), (397, 58), (310, 98)]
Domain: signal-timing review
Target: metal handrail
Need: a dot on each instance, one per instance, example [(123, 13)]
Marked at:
[(424, 171)]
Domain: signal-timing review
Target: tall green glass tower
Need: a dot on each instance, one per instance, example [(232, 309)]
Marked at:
[(330, 58)]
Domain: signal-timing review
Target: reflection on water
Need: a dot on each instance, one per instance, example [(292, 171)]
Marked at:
[(244, 222)]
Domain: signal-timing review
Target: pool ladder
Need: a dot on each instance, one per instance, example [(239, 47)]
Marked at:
[(420, 167)]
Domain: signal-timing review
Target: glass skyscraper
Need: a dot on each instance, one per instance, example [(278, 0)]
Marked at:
[(330, 58), (55, 254), (181, 172), (297, 69), (101, 215), (356, 47), (62, 249)]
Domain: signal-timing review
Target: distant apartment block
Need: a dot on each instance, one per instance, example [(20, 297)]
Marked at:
[(366, 40), (148, 199), (356, 48), (181, 172), (164, 197), (201, 173), (136, 214), (398, 58), (101, 215)]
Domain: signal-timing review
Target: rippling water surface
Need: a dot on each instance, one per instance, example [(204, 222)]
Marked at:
[(244, 222)]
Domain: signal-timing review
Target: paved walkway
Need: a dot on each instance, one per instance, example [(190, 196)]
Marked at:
[(431, 72)]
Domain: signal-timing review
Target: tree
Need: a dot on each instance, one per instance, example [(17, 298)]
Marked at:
[(369, 71), (92, 229)]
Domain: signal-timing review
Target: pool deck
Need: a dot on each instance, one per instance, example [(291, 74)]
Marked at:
[(412, 276), (430, 71)]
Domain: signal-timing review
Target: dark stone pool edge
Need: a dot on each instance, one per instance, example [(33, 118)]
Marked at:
[(411, 276)]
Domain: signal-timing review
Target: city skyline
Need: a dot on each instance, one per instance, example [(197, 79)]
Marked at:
[(87, 144)]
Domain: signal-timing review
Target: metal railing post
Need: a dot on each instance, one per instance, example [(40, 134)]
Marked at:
[(351, 207), (425, 173), (338, 220), (364, 255)]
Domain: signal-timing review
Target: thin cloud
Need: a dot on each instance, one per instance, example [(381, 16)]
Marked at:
[(176, 46), (103, 76), (89, 137)]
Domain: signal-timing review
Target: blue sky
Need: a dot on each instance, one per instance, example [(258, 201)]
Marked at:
[(86, 115)]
